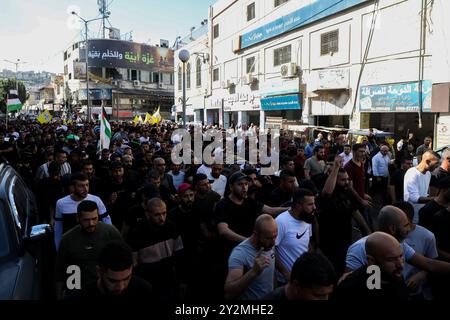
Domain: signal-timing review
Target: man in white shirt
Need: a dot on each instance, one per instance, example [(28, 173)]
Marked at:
[(177, 174), (417, 182), (61, 158), (380, 171), (205, 169), (220, 181), (347, 155), (294, 233)]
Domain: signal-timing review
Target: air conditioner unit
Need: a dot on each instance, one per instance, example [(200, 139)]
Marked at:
[(248, 78), (136, 83), (289, 70)]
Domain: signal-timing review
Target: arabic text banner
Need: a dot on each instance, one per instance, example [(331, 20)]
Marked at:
[(289, 102), (130, 55)]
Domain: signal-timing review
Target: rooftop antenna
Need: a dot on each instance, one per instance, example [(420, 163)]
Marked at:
[(105, 13)]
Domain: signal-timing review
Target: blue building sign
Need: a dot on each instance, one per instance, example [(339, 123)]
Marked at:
[(399, 97), (289, 102), (315, 11)]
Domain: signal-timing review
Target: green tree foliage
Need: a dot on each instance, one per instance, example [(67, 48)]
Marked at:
[(10, 84)]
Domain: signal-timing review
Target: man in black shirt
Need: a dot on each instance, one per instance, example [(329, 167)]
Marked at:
[(441, 202), (115, 277), (95, 183), (397, 178), (283, 193), (337, 208), (312, 278), (6, 148), (157, 251), (440, 173), (368, 284)]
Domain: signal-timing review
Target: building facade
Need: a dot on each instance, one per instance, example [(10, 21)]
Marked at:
[(125, 77), (352, 63)]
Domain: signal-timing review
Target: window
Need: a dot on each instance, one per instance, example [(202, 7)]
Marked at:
[(216, 31), (128, 74), (66, 69), (65, 55), (251, 11), (179, 78), (198, 73), (216, 74), (171, 78), (188, 76), (134, 75), (281, 55), (155, 77), (250, 65), (280, 2), (329, 42)]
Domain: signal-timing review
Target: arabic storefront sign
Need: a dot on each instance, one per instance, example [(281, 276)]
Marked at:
[(333, 79), (400, 97), (130, 55), (318, 9), (96, 94), (289, 102)]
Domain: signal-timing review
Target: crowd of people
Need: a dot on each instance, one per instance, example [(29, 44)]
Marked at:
[(139, 225)]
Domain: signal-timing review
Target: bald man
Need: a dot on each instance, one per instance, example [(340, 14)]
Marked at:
[(417, 182), (385, 254), (394, 222), (157, 251), (251, 265)]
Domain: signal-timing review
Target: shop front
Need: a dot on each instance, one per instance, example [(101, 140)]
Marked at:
[(284, 107)]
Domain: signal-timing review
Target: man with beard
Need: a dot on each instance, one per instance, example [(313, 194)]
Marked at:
[(251, 265), (316, 164), (219, 183), (61, 158), (102, 165), (394, 222), (66, 208), (119, 194), (417, 182), (96, 186), (283, 193), (157, 251), (337, 208), (385, 252), (294, 232), (115, 277), (82, 244)]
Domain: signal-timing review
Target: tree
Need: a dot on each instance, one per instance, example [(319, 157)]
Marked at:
[(10, 84)]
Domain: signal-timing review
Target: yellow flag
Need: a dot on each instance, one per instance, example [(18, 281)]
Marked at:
[(148, 118), (156, 117), (136, 120), (44, 117), (140, 120)]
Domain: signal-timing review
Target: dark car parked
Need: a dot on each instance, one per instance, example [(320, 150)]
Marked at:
[(22, 239)]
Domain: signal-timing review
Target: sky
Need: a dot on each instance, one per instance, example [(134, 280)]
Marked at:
[(37, 32)]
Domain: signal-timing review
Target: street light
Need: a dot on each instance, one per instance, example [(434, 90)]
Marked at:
[(184, 56), (86, 46)]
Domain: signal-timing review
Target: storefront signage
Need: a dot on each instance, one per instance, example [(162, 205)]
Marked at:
[(400, 97), (333, 79), (291, 102), (315, 11)]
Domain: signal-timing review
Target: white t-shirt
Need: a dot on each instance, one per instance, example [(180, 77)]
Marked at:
[(65, 214), (219, 185), (416, 185), (346, 158), (292, 241), (177, 179)]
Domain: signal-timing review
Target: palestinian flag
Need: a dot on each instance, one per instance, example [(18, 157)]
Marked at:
[(13, 104), (105, 131)]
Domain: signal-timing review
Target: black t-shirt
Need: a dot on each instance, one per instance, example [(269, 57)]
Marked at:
[(240, 218), (278, 197), (397, 180), (204, 209), (438, 175), (134, 215), (137, 289), (188, 225), (7, 155), (119, 209), (440, 226), (354, 288), (427, 212)]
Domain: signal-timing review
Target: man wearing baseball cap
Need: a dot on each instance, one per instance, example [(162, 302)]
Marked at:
[(236, 214)]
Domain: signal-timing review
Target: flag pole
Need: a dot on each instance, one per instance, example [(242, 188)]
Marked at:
[(6, 115)]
